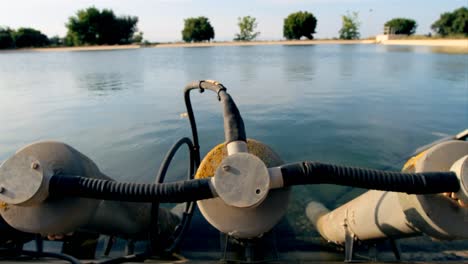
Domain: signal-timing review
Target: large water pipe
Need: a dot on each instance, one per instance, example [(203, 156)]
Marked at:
[(380, 214), (62, 215)]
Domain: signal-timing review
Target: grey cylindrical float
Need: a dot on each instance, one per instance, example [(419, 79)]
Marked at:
[(379, 214)]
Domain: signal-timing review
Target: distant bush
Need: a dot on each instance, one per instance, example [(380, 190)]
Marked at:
[(350, 27), (137, 37), (247, 26), (56, 41), (29, 37), (197, 29), (452, 23), (299, 24), (404, 26), (6, 38), (94, 27)]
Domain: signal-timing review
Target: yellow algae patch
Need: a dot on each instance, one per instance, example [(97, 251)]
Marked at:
[(411, 163), (212, 160), (3, 206)]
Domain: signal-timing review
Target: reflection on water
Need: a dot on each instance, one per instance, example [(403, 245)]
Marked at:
[(300, 63), (347, 60), (401, 48), (247, 58), (448, 69), (103, 82), (361, 105), (449, 50), (401, 55), (201, 60)]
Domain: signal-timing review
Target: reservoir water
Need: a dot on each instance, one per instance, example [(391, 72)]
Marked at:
[(361, 105)]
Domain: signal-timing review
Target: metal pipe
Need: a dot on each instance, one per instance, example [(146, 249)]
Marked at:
[(373, 215), (130, 220), (381, 214)]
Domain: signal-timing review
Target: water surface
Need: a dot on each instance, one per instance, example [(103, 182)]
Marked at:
[(361, 105)]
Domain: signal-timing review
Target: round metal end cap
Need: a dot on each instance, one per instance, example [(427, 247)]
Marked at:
[(460, 167), (22, 180), (242, 180)]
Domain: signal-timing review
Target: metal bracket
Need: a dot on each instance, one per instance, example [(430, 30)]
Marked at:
[(349, 243)]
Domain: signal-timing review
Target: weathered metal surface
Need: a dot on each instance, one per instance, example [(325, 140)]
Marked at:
[(243, 222), (23, 181), (377, 214), (62, 215), (242, 180), (54, 216)]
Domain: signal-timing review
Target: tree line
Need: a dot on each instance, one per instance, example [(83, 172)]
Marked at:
[(92, 26), (89, 26)]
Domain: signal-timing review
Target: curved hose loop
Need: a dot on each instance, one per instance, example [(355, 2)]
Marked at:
[(234, 129), (201, 86), (179, 232)]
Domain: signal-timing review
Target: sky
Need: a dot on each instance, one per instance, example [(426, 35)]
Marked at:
[(163, 20)]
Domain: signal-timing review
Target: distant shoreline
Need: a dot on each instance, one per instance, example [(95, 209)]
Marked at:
[(459, 44), (260, 43)]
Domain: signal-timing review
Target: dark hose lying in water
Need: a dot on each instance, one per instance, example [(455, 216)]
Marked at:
[(304, 173)]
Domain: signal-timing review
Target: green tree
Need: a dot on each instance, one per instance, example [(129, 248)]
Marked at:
[(197, 29), (6, 38), (403, 26), (350, 27), (29, 37), (299, 24), (138, 37), (247, 26), (55, 41), (452, 23), (94, 27)]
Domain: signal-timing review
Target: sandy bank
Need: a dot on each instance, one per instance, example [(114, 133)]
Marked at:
[(456, 44), (259, 43), (462, 43), (85, 48)]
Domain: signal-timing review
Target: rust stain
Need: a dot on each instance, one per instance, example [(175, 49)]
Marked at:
[(212, 160), (3, 206)]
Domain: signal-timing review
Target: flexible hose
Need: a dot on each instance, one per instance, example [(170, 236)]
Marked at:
[(413, 183), (177, 236), (234, 129), (174, 192)]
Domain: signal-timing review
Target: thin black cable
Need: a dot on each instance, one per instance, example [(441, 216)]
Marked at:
[(193, 124), (177, 236)]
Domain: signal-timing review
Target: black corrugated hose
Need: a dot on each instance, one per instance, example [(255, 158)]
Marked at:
[(233, 124), (173, 192), (303, 173)]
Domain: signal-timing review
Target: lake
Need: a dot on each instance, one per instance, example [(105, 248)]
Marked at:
[(360, 105)]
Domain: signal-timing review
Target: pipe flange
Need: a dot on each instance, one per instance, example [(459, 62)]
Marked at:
[(460, 167), (23, 180), (242, 180)]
